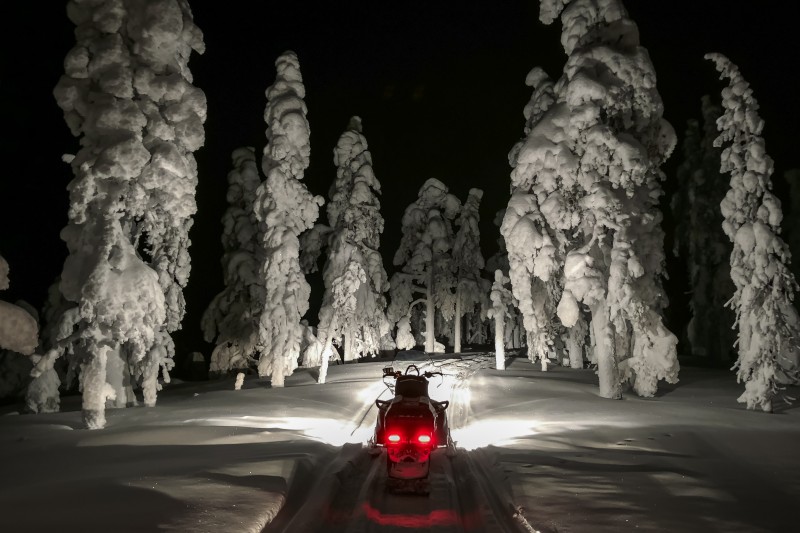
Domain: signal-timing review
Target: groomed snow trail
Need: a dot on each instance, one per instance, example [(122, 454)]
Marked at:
[(467, 492)]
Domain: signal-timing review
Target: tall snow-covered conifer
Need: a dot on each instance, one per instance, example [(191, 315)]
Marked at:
[(127, 92), (231, 319), (425, 275), (354, 305), (284, 208), (589, 169), (769, 327), (534, 225), (515, 329), (700, 241), (468, 262)]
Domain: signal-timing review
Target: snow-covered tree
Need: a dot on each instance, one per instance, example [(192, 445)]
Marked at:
[(768, 323), (587, 186), (127, 92), (499, 261), (424, 259), (19, 330), (284, 208), (19, 338), (533, 226), (354, 304), (468, 262), (699, 239), (503, 303), (231, 320), (50, 375)]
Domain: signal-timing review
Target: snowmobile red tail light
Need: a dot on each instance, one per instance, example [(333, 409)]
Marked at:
[(394, 437), (424, 439)]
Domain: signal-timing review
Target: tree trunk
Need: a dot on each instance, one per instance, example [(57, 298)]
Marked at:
[(150, 379), (278, 376), (118, 376), (350, 353), (323, 367), (499, 340), (575, 341), (607, 369), (327, 350), (430, 315), (457, 321), (95, 388), (530, 346)]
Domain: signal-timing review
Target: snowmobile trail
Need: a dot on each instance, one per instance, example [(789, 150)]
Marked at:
[(460, 500), (465, 493)]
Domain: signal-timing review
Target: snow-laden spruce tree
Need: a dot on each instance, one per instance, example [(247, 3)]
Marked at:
[(19, 330), (768, 323), (535, 223), (353, 310), (127, 92), (42, 392), (468, 262), (700, 241), (19, 338), (426, 270), (231, 319), (284, 208), (593, 161), (503, 303), (515, 329)]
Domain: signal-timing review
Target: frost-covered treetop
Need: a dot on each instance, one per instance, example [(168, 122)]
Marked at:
[(289, 147), (422, 220), (353, 195), (582, 17), (152, 24), (435, 193), (127, 89), (607, 66), (745, 157)]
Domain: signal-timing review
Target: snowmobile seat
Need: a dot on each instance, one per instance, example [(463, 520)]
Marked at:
[(409, 386)]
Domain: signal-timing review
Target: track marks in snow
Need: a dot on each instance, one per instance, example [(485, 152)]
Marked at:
[(466, 493)]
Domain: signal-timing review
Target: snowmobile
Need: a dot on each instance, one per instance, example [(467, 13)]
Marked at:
[(410, 427)]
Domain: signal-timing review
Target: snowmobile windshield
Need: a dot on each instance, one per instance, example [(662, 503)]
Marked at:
[(411, 386)]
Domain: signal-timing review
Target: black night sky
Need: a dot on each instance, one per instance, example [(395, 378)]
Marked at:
[(439, 86)]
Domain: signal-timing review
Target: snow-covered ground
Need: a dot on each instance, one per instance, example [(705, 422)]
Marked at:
[(209, 458)]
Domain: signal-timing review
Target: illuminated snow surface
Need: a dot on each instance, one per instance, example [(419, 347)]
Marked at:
[(212, 459)]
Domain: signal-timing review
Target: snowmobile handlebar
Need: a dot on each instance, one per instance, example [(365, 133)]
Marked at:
[(391, 372)]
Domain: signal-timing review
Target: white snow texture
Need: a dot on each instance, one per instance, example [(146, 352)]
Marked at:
[(768, 323), (127, 92), (284, 209), (585, 187)]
